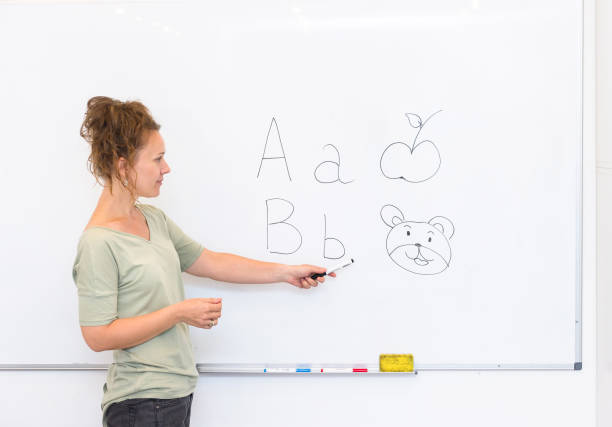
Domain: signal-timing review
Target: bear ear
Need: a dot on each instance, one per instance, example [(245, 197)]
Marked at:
[(391, 215), (444, 225)]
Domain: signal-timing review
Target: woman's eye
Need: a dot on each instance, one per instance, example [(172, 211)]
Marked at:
[(408, 233), (429, 240)]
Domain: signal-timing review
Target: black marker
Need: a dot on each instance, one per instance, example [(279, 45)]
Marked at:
[(316, 275)]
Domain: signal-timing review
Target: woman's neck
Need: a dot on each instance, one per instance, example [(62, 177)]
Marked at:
[(118, 206)]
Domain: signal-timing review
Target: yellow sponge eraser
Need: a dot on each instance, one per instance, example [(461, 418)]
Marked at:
[(396, 363)]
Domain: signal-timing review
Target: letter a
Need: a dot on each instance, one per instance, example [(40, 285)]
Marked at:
[(274, 154), (328, 171)]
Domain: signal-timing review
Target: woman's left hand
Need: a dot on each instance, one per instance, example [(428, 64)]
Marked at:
[(299, 275)]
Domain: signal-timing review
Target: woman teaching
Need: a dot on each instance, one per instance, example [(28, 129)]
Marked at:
[(128, 268)]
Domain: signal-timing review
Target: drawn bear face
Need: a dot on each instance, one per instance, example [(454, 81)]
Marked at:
[(419, 247)]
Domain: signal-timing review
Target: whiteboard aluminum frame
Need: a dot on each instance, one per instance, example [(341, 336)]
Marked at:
[(250, 368), (236, 368), (580, 207)]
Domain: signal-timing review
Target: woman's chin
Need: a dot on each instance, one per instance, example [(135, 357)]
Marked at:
[(150, 194)]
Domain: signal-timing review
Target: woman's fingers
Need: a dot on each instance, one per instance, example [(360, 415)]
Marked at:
[(202, 312), (214, 312), (322, 279), (302, 276), (307, 283), (209, 323)]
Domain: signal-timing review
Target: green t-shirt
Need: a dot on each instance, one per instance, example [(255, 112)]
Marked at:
[(121, 275)]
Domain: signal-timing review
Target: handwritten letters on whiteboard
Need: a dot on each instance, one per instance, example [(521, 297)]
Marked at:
[(421, 248)]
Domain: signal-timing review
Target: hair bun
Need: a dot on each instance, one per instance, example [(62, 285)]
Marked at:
[(114, 129)]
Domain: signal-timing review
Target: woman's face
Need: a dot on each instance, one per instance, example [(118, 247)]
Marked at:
[(150, 166)]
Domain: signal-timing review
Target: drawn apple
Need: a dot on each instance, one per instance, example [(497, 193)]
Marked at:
[(416, 163)]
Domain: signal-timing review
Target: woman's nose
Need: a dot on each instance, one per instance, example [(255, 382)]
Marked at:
[(166, 168)]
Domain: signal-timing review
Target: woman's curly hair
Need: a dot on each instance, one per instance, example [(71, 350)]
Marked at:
[(115, 129)]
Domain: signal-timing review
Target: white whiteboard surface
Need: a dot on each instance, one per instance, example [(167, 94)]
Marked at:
[(506, 76)]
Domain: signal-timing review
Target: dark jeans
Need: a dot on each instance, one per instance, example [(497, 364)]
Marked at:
[(149, 413)]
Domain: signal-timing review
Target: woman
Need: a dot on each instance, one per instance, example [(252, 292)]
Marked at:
[(128, 273)]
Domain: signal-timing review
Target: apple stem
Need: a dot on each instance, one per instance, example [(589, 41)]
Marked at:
[(421, 128)]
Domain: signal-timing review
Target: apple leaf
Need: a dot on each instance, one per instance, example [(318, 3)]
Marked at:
[(414, 120)]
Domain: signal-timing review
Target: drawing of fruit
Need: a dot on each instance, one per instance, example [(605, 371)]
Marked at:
[(416, 163)]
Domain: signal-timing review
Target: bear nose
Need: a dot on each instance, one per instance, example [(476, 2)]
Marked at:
[(418, 245)]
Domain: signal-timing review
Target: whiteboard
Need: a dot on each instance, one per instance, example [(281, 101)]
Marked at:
[(465, 116)]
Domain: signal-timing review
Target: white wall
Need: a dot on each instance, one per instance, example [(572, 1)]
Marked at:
[(604, 212), (500, 399), (71, 398)]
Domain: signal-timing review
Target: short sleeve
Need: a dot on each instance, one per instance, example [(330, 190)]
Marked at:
[(96, 276), (188, 249)]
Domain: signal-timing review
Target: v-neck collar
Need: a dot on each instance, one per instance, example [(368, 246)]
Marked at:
[(130, 234)]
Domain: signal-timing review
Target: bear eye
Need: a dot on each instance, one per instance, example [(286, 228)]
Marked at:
[(429, 240), (408, 232)]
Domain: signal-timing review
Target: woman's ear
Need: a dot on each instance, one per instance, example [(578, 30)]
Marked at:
[(122, 168), (391, 215)]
